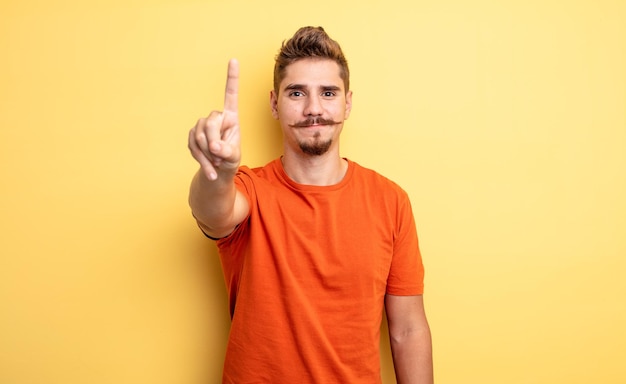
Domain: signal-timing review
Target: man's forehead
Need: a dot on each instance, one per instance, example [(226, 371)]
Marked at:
[(313, 72)]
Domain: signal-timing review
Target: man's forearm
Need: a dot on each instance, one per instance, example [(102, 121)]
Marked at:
[(212, 202), (412, 357)]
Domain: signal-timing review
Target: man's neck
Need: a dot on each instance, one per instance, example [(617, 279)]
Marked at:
[(323, 170)]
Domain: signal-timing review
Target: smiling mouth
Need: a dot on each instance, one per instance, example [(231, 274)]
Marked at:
[(312, 122)]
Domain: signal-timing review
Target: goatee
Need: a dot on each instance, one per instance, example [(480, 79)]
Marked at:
[(316, 148)]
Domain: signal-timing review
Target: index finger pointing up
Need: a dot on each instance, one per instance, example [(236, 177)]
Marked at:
[(232, 86)]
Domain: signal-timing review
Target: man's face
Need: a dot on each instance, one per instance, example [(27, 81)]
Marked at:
[(311, 106)]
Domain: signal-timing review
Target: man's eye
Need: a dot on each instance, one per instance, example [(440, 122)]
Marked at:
[(295, 94), (329, 94)]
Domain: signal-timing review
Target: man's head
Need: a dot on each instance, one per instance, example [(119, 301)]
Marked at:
[(310, 96), (310, 43)]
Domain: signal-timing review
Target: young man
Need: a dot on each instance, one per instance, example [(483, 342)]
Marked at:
[(312, 245)]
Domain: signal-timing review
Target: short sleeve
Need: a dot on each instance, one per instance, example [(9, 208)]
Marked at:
[(406, 274)]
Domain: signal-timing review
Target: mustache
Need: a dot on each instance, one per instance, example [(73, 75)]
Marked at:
[(313, 121)]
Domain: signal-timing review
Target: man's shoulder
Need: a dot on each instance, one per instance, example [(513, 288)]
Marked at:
[(374, 178), (263, 171)]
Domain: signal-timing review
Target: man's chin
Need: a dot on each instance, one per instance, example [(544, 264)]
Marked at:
[(316, 148)]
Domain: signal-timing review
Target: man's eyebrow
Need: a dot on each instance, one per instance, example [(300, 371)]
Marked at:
[(331, 88), (295, 86)]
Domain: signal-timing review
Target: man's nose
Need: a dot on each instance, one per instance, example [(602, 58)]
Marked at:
[(313, 106)]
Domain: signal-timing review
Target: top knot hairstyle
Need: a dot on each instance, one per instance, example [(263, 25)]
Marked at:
[(310, 43)]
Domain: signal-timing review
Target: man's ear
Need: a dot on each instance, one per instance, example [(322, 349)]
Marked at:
[(274, 104), (348, 104)]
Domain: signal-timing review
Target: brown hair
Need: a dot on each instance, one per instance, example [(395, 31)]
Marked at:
[(310, 42)]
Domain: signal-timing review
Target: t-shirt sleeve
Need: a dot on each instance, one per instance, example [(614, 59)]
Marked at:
[(406, 275)]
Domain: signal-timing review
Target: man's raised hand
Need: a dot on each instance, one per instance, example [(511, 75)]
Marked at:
[(215, 140)]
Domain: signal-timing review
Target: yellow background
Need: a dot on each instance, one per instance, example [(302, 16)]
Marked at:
[(504, 120)]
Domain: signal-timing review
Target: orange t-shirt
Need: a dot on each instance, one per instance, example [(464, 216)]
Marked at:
[(307, 273)]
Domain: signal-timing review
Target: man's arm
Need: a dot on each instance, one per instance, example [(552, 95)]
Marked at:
[(215, 143), (410, 338)]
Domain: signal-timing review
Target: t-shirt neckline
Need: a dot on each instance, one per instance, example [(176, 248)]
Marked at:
[(282, 175)]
